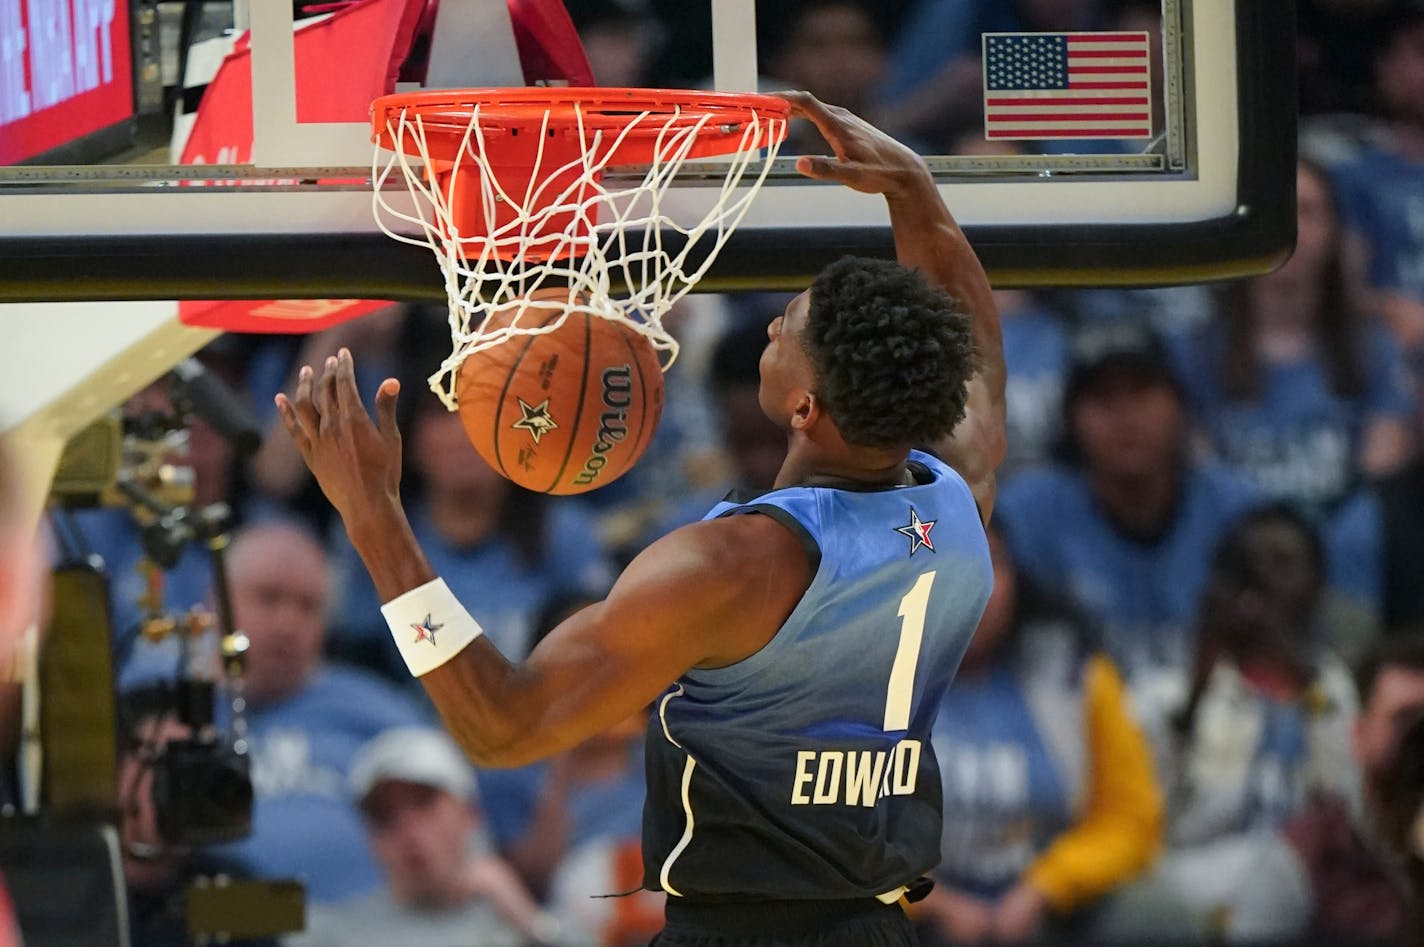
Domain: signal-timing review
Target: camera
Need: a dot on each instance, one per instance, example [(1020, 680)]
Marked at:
[(202, 792)]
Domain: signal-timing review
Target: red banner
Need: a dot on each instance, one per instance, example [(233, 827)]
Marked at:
[(65, 72)]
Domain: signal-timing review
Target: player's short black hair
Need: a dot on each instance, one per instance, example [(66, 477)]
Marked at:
[(892, 353)]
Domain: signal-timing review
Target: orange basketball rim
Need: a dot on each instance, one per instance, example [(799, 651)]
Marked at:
[(494, 155)]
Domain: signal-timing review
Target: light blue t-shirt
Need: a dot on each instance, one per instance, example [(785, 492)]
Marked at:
[(1142, 594), (1298, 439), (1004, 798), (304, 824)]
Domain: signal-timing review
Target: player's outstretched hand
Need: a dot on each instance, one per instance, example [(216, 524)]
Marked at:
[(866, 158), (356, 461)]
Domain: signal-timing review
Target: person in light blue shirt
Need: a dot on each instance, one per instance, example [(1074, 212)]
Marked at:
[(1127, 531), (306, 719)]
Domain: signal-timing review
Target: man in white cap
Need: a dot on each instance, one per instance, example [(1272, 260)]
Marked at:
[(418, 798)]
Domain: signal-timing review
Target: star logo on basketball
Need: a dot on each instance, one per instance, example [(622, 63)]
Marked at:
[(536, 419), (425, 631), (918, 531)]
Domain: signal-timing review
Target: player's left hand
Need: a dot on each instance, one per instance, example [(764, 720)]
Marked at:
[(1019, 914), (866, 158), (356, 461)]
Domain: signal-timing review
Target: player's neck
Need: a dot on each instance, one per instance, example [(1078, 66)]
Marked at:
[(808, 464)]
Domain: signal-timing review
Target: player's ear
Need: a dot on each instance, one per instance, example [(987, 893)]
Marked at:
[(806, 411)]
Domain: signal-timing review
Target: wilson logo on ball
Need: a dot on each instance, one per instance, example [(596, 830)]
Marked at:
[(612, 423)]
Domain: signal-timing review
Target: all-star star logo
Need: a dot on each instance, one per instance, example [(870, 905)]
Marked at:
[(919, 532), (425, 631), (536, 419)]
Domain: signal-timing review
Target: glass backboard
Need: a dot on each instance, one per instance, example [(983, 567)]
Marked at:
[(1189, 175)]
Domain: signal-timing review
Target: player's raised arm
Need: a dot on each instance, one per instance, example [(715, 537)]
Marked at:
[(928, 239), (709, 594)]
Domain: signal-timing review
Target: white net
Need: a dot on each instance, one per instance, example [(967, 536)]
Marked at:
[(616, 250)]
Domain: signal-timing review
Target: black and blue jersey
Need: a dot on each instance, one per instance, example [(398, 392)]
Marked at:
[(805, 771)]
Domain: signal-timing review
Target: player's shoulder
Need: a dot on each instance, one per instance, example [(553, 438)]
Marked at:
[(746, 539), (723, 559)]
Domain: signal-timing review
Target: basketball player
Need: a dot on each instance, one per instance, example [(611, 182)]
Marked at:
[(796, 645)]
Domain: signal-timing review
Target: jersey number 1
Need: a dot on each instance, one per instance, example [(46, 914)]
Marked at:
[(902, 673)]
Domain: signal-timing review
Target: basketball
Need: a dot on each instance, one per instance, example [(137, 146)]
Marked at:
[(565, 411)]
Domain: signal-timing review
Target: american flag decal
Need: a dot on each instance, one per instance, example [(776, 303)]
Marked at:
[(1067, 85)]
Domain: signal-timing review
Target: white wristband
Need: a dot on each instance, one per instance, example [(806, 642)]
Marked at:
[(430, 626)]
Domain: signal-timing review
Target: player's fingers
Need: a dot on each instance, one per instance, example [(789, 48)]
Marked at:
[(850, 173), (302, 405), (290, 421), (325, 395), (828, 119), (386, 396), (348, 399)]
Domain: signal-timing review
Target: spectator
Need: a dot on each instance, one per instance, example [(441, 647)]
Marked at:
[(1127, 529), (306, 718), (1050, 801), (1292, 385), (503, 549), (157, 875), (1382, 190), (443, 888), (1261, 722), (1329, 874), (1355, 890)]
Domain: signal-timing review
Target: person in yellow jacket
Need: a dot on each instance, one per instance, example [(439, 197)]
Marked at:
[(1050, 796)]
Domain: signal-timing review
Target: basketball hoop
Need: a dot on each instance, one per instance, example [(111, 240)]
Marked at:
[(509, 194)]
